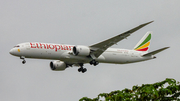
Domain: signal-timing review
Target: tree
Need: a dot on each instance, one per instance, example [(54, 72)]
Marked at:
[(166, 90)]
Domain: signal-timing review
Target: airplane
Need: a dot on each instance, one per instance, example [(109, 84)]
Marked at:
[(65, 56)]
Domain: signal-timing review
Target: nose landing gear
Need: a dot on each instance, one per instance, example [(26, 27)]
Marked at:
[(24, 61), (23, 58)]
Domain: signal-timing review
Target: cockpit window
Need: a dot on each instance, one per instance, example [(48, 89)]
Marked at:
[(16, 46)]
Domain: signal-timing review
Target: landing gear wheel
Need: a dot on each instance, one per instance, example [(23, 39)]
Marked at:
[(94, 62), (80, 69), (90, 63), (23, 58), (84, 70), (23, 62)]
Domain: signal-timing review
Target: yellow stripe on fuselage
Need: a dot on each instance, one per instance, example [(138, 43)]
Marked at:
[(144, 46)]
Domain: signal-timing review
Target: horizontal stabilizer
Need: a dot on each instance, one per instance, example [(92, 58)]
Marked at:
[(155, 52)]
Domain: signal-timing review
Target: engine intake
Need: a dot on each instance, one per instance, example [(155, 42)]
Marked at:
[(81, 50), (58, 65)]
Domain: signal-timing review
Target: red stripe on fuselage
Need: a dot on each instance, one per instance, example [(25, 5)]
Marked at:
[(144, 49)]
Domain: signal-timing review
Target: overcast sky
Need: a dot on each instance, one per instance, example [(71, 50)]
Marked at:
[(84, 22)]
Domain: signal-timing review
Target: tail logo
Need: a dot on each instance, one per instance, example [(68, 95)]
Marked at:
[(144, 46)]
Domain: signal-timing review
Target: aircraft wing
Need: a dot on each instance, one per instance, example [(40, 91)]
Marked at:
[(99, 48)]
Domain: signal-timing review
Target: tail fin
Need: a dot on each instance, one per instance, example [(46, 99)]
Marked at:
[(143, 44)]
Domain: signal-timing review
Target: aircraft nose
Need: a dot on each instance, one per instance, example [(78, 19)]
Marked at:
[(11, 51)]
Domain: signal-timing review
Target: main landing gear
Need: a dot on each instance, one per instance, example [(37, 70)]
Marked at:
[(23, 58), (81, 69), (94, 62)]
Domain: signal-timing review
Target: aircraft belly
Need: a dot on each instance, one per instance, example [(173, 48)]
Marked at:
[(119, 58), (110, 57), (69, 58)]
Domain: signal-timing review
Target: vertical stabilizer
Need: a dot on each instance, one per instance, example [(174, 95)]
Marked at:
[(144, 43)]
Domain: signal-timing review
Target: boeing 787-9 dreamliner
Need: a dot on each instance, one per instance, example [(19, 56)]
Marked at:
[(78, 55)]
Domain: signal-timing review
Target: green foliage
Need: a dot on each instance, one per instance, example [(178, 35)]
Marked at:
[(166, 90)]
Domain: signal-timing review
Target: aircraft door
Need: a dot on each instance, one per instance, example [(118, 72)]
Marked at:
[(27, 46)]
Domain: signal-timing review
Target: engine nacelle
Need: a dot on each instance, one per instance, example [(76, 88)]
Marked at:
[(58, 65), (81, 50)]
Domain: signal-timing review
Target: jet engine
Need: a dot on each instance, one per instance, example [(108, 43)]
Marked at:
[(58, 65), (81, 50)]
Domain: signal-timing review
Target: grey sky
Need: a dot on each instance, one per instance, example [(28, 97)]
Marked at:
[(84, 22)]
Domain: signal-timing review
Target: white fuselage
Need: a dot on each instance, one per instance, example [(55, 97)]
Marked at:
[(64, 53)]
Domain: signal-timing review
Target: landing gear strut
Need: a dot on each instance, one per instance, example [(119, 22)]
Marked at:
[(94, 62), (23, 58), (81, 69)]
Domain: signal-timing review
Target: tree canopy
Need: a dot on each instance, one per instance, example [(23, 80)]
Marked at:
[(166, 90)]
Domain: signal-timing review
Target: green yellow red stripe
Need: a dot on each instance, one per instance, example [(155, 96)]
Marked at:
[(144, 49), (145, 41), (144, 46)]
